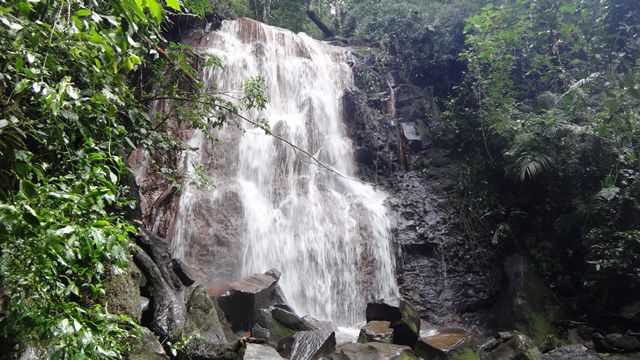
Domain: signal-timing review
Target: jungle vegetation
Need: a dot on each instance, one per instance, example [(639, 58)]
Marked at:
[(544, 97)]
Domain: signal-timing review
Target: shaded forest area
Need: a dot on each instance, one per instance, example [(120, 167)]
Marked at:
[(543, 98)]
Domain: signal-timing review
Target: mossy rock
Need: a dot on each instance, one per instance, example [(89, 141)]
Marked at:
[(464, 354), (519, 347), (121, 292), (534, 316), (147, 347), (527, 304)]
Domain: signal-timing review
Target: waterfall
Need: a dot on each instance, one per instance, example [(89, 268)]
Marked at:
[(273, 207)]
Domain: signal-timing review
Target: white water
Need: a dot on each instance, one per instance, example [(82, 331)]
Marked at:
[(328, 235)]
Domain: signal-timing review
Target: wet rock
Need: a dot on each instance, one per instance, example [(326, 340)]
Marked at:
[(147, 347), (269, 328), (375, 136), (376, 331), (241, 300), (289, 319), (571, 352), (518, 347), (183, 272), (260, 352), (448, 339), (527, 304), (445, 344), (167, 308), (429, 227), (373, 351), (315, 324), (402, 316), (313, 345), (160, 252)]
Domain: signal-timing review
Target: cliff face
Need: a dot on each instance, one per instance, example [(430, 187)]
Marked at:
[(402, 143)]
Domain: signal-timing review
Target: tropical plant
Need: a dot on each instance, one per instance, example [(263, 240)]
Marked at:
[(79, 82)]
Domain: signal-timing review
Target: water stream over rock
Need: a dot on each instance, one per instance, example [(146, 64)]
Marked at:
[(273, 207)]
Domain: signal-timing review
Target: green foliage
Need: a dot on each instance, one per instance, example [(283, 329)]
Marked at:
[(555, 90), (289, 14), (57, 240), (81, 84), (425, 36)]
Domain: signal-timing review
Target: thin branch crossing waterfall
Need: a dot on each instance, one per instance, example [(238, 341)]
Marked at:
[(273, 206)]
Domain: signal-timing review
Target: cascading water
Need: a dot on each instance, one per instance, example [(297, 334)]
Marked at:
[(274, 207)]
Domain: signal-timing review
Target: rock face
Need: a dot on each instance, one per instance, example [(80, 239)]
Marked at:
[(373, 351), (241, 300), (402, 317), (401, 144)]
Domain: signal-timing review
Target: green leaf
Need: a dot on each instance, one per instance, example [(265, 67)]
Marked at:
[(83, 12), (21, 85), (174, 4), (30, 216), (28, 189), (101, 223), (65, 230), (155, 9)]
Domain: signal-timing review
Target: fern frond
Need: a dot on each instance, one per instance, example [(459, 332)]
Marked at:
[(531, 163)]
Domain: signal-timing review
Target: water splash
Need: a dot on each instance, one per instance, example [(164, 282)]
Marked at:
[(274, 208)]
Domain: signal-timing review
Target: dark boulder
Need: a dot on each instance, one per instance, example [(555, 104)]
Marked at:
[(402, 316), (373, 351), (622, 343), (160, 252), (270, 329), (241, 300), (183, 272), (167, 308), (571, 352), (313, 345), (289, 319)]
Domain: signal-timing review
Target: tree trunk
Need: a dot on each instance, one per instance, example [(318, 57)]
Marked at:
[(326, 31)]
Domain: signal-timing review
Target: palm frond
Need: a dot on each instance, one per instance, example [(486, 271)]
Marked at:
[(531, 163)]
